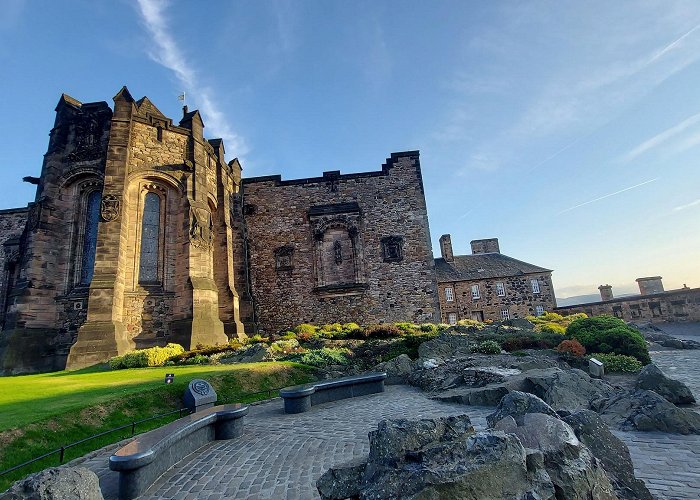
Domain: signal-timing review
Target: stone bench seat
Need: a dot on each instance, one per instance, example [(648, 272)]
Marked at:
[(149, 455), (300, 398)]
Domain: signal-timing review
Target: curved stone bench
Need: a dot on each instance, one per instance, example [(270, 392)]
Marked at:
[(147, 457), (301, 398)]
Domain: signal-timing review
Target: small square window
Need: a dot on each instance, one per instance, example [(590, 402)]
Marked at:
[(539, 310), (500, 289), (284, 258), (505, 314), (452, 318), (392, 248), (449, 294), (535, 286), (475, 292)]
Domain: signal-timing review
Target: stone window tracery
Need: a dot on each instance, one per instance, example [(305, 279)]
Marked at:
[(150, 238), (89, 246)]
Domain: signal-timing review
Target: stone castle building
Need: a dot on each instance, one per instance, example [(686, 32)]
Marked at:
[(488, 285), (141, 233), (653, 304)]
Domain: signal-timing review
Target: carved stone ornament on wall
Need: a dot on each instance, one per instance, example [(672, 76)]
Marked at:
[(87, 141), (34, 216), (201, 228), (110, 207), (392, 248)]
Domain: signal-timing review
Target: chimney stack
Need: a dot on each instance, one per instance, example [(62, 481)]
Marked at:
[(650, 285), (489, 245), (605, 292), (446, 248)]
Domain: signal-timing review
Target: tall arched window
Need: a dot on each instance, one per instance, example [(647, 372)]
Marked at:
[(92, 218), (150, 239)]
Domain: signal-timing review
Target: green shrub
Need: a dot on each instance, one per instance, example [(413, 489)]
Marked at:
[(428, 328), (530, 341), (305, 332), (141, 358), (258, 339), (199, 359), (487, 347), (407, 327), (471, 323), (618, 362), (324, 357), (284, 346), (551, 328), (442, 326), (608, 334)]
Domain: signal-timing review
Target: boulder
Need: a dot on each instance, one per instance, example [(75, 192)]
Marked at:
[(446, 345), (485, 375), (572, 468), (478, 396), (611, 452), (566, 389), (58, 483), (444, 458), (253, 354), (397, 369), (643, 410), (652, 378), (516, 405)]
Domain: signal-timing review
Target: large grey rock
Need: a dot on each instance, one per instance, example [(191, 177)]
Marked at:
[(446, 345), (566, 389), (652, 378), (573, 469), (643, 410), (59, 483), (253, 354), (611, 452), (397, 370), (517, 404), (445, 459)]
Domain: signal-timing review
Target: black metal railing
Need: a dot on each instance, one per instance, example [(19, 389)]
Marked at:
[(182, 411)]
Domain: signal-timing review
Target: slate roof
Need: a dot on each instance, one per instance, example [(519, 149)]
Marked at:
[(483, 266)]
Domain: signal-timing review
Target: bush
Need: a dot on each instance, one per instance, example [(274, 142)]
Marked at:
[(442, 327), (571, 348), (305, 332), (258, 339), (281, 347), (350, 329), (199, 359), (141, 358), (618, 362), (324, 357), (488, 347), (382, 331), (551, 328), (531, 341), (607, 334), (428, 328), (471, 323)]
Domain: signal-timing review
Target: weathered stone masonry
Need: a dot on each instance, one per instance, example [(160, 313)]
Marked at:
[(338, 248), (142, 234)]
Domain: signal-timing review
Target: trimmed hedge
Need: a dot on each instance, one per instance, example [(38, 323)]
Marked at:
[(607, 334)]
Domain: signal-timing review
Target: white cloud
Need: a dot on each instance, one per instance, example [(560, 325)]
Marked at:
[(169, 55), (662, 138), (687, 205), (609, 195)]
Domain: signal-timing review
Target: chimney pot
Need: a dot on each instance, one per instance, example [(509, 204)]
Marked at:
[(446, 248)]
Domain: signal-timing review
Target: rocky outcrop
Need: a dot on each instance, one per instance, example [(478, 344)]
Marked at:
[(572, 468), (653, 379), (60, 483), (516, 405), (567, 389), (445, 458), (610, 451), (643, 410), (446, 345), (397, 369)]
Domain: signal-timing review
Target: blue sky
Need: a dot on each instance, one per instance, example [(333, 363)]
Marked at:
[(569, 130)]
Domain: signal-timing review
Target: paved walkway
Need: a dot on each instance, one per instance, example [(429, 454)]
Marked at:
[(281, 456)]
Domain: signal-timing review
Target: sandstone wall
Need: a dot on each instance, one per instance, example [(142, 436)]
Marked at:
[(12, 223), (519, 298), (341, 248), (676, 305)]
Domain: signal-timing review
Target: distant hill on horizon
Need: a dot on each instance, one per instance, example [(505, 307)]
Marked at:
[(587, 299)]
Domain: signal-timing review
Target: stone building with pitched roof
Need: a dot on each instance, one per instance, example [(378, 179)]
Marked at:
[(488, 285)]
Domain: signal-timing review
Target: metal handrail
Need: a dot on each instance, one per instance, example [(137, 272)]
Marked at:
[(62, 450)]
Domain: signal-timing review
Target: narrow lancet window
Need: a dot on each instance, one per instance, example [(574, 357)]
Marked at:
[(92, 215), (150, 238)]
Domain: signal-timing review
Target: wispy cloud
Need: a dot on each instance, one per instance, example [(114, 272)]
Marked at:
[(609, 195), (169, 55), (661, 138), (687, 205)]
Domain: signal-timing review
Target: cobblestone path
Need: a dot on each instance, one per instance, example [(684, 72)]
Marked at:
[(281, 456)]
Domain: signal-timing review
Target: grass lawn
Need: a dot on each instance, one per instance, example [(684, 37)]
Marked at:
[(40, 413)]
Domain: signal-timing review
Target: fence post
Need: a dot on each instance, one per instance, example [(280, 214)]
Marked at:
[(60, 459), (133, 428)]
